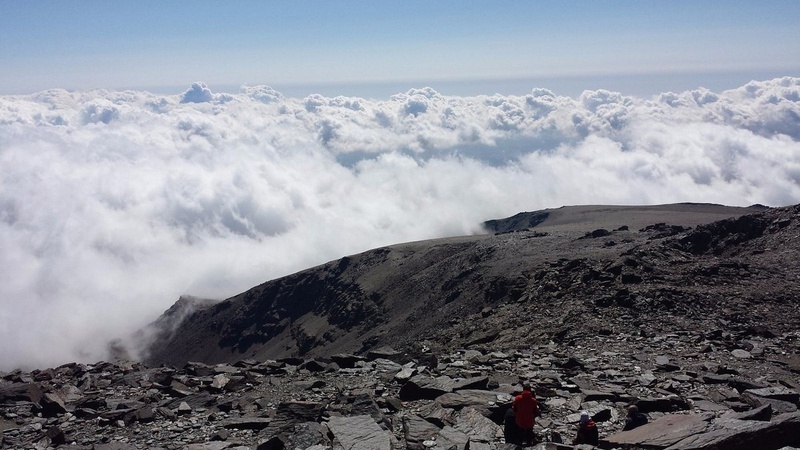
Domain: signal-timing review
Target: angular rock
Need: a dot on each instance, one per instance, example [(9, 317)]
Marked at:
[(475, 425), (473, 397), (437, 415), (56, 436), (288, 414), (385, 353), (306, 435), (761, 413), (664, 404), (26, 392), (423, 387), (777, 393), (383, 365), (246, 423), (346, 361), (417, 430), (450, 437), (214, 445), (359, 433), (52, 405), (660, 433), (471, 383), (732, 434), (219, 382)]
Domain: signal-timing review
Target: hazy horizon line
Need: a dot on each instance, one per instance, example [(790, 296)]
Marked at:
[(631, 84)]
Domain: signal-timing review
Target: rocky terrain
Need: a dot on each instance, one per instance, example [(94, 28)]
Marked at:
[(421, 345)]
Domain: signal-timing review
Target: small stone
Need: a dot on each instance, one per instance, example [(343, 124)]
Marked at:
[(741, 354)]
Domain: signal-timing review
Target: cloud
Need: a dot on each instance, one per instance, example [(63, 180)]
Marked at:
[(197, 93), (115, 204)]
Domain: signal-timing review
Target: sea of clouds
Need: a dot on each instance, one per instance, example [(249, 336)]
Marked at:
[(114, 204)]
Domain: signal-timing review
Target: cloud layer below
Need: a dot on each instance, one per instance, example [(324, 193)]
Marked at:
[(113, 204)]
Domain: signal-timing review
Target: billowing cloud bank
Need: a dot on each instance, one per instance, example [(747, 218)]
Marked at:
[(113, 204)]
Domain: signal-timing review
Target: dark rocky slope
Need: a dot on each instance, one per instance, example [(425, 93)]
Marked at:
[(695, 323), (590, 264)]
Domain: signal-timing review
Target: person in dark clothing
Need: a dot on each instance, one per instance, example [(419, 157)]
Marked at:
[(634, 418), (525, 411), (587, 431), (511, 431)]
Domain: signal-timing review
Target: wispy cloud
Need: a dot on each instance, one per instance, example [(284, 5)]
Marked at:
[(113, 204)]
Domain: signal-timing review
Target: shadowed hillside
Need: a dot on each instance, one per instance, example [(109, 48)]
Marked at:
[(604, 266)]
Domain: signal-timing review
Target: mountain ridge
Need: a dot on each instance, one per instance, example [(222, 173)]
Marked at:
[(409, 293)]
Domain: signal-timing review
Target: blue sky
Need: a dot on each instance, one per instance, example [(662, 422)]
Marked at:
[(457, 45)]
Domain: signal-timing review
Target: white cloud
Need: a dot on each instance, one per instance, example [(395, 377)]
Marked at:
[(113, 204), (197, 93)]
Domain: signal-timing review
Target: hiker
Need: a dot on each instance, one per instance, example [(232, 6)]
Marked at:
[(634, 418), (525, 411), (510, 429), (587, 431)]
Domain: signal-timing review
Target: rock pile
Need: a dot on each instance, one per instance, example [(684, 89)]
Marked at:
[(698, 392)]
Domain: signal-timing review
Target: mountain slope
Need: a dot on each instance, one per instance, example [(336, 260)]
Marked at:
[(587, 269)]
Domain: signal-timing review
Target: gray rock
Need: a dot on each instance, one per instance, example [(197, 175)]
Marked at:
[(288, 414), (220, 380), (475, 425), (660, 433), (359, 433), (776, 392), (663, 404), (26, 392), (732, 434), (473, 397), (307, 435), (346, 361), (423, 387), (247, 423), (761, 413), (52, 405), (741, 354), (450, 437), (215, 445), (437, 415), (417, 430), (386, 353)]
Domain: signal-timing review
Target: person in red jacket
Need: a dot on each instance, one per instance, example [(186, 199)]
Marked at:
[(587, 431), (525, 411)]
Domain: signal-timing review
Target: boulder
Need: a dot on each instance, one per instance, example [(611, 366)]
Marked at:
[(306, 435), (471, 383), (288, 414), (760, 413), (733, 434), (346, 361), (660, 433), (662, 404), (423, 387), (775, 392), (475, 425), (450, 437), (246, 423), (359, 433), (52, 405), (473, 397), (26, 392), (417, 430), (385, 353)]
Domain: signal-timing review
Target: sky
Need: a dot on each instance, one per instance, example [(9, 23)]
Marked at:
[(153, 150), (378, 48)]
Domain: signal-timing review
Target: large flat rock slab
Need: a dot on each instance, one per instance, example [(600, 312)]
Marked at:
[(359, 433), (661, 433), (732, 434)]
